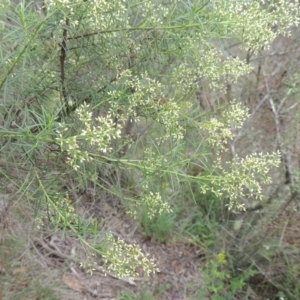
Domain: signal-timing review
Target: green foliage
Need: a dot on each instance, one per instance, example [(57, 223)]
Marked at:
[(44, 293), (75, 76), (288, 282), (201, 229), (219, 282), (160, 228), (144, 294)]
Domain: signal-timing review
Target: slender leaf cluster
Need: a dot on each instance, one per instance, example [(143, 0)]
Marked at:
[(76, 76)]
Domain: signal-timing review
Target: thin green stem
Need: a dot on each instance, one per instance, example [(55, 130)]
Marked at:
[(36, 31)]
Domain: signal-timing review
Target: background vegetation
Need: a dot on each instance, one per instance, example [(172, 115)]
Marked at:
[(161, 128)]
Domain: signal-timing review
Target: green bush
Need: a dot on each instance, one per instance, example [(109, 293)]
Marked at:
[(92, 89)]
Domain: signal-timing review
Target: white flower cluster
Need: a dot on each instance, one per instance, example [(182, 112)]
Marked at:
[(124, 259), (220, 131), (206, 64), (152, 204), (143, 100), (4, 5), (147, 100), (239, 175), (254, 22), (152, 163), (106, 15), (235, 115), (89, 265), (169, 116), (257, 22), (245, 173), (59, 212), (94, 134), (94, 10), (65, 212)]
